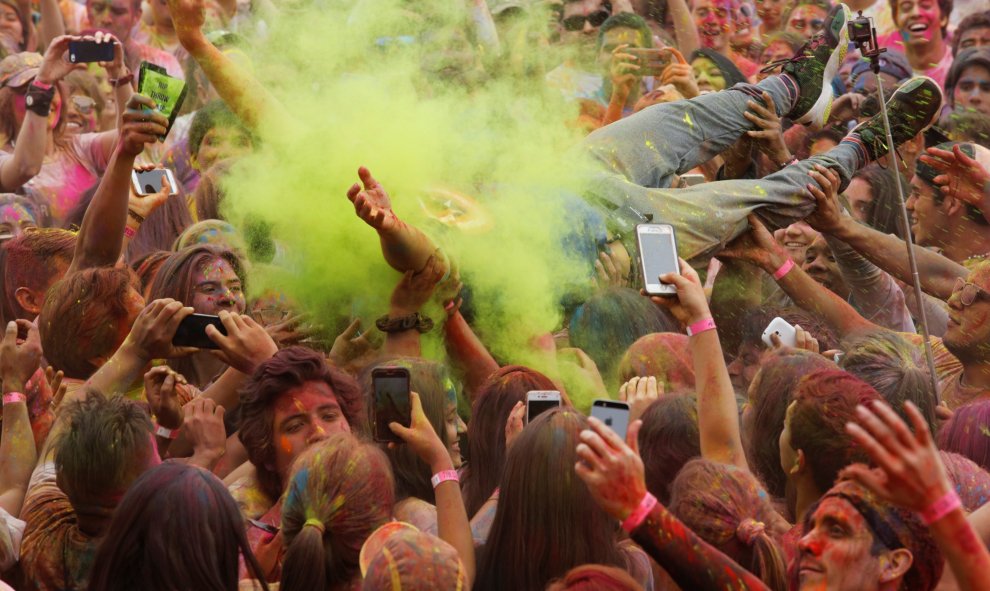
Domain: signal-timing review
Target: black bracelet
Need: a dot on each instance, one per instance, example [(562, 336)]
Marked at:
[(423, 324), (39, 100)]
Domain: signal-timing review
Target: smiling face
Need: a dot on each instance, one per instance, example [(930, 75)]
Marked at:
[(10, 26), (967, 334), (708, 75), (929, 220), (919, 21), (806, 20), (835, 553), (972, 91), (771, 13), (80, 113), (217, 287), (303, 416), (796, 239), (713, 18), (820, 265)]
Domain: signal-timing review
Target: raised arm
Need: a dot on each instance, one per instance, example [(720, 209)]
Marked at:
[(613, 472), (718, 414), (246, 97), (17, 452), (452, 520), (684, 30), (938, 274), (467, 352), (99, 241), (910, 474), (409, 296), (51, 26)]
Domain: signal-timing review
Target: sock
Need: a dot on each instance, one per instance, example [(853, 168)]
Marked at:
[(793, 89), (864, 156)]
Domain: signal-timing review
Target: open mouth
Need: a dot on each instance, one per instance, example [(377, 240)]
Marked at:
[(919, 27), (795, 244)]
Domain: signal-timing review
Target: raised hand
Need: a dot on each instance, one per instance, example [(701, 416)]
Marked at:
[(246, 344), (609, 272), (116, 68), (640, 393), (961, 177), (188, 18), (372, 203), (145, 205), (153, 330), (19, 361), (55, 65), (623, 70), (514, 423), (159, 390), (350, 344), (827, 217), (421, 437), (611, 469), (202, 425), (142, 125), (680, 75), (757, 246), (909, 472), (58, 385), (690, 304), (416, 288), (769, 135)]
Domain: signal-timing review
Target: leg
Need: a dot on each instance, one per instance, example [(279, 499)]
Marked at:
[(709, 216), (651, 146)]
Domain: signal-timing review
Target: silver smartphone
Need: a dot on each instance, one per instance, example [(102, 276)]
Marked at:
[(149, 182), (540, 401), (658, 256), (614, 413)]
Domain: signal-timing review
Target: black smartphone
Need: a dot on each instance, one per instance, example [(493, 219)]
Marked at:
[(192, 331), (392, 404), (614, 413), (149, 182), (82, 52)]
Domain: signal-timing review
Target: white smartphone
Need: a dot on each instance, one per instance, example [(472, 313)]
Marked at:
[(538, 401), (614, 413), (784, 331), (657, 255), (691, 179), (149, 182)]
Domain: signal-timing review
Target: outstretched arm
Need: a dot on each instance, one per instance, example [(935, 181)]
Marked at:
[(718, 414), (17, 452), (938, 274)]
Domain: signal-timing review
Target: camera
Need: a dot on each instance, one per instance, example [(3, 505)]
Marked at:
[(864, 35)]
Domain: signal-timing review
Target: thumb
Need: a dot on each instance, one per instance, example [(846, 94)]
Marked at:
[(219, 412), (677, 55)]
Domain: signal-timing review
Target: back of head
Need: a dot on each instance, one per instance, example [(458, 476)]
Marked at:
[(609, 322), (769, 396), (668, 439), (972, 482), (399, 556), (493, 402), (340, 491), (663, 355), (894, 367), (85, 317), (729, 509), (105, 445), (823, 403), (968, 432), (546, 522), (197, 547), (289, 368), (34, 260), (595, 577)]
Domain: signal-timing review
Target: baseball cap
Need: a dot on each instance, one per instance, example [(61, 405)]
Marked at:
[(20, 68)]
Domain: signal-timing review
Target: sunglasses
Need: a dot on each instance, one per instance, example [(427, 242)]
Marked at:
[(969, 292), (595, 19), (84, 104)]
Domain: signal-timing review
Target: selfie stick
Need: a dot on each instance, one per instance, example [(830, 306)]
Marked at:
[(864, 35)]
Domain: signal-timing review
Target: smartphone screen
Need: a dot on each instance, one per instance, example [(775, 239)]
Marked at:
[(614, 413), (149, 182), (540, 401), (81, 52), (658, 254), (192, 331), (392, 404)]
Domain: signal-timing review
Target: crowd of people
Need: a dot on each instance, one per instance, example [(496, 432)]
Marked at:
[(848, 458)]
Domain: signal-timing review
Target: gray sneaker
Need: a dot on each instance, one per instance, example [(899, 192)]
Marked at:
[(913, 108)]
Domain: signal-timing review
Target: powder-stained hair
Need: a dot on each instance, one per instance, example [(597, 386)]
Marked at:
[(668, 439), (968, 432), (30, 261), (346, 486)]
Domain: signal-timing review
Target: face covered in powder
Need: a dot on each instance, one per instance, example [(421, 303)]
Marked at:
[(217, 287), (14, 219), (455, 428), (303, 416)]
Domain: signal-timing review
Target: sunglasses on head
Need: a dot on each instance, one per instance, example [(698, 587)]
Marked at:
[(84, 104), (595, 19)]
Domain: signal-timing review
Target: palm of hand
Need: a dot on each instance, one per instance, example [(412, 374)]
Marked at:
[(380, 215)]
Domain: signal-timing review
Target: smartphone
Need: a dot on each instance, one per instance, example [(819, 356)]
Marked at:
[(82, 52), (657, 255), (652, 61), (691, 179), (539, 401), (392, 405), (614, 413), (192, 331), (149, 182), (783, 330)]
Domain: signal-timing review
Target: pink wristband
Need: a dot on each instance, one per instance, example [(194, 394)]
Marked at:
[(942, 507), (41, 85), (639, 515), (166, 433), (700, 326), (784, 269), (444, 476), (129, 231), (12, 397)]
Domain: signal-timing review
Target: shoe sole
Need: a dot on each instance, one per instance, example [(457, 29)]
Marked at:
[(941, 102), (818, 114)]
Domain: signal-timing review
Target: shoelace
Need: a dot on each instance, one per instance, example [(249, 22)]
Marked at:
[(807, 51)]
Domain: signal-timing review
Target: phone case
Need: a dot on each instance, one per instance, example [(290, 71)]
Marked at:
[(665, 289), (784, 330), (192, 331), (389, 408), (136, 182)]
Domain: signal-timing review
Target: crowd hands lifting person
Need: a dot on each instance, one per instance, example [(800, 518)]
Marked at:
[(145, 447)]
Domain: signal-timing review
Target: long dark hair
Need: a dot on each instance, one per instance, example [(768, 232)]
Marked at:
[(884, 211), (546, 522), (176, 528), (486, 434)]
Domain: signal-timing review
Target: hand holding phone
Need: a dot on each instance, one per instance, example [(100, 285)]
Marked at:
[(84, 51), (658, 256), (149, 182), (651, 60), (392, 401), (785, 332), (192, 331), (540, 401), (614, 413), (690, 304)]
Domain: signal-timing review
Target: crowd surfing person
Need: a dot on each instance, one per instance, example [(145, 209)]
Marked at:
[(170, 422)]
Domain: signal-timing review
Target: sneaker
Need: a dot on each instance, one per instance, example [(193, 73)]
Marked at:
[(814, 66), (912, 109)]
